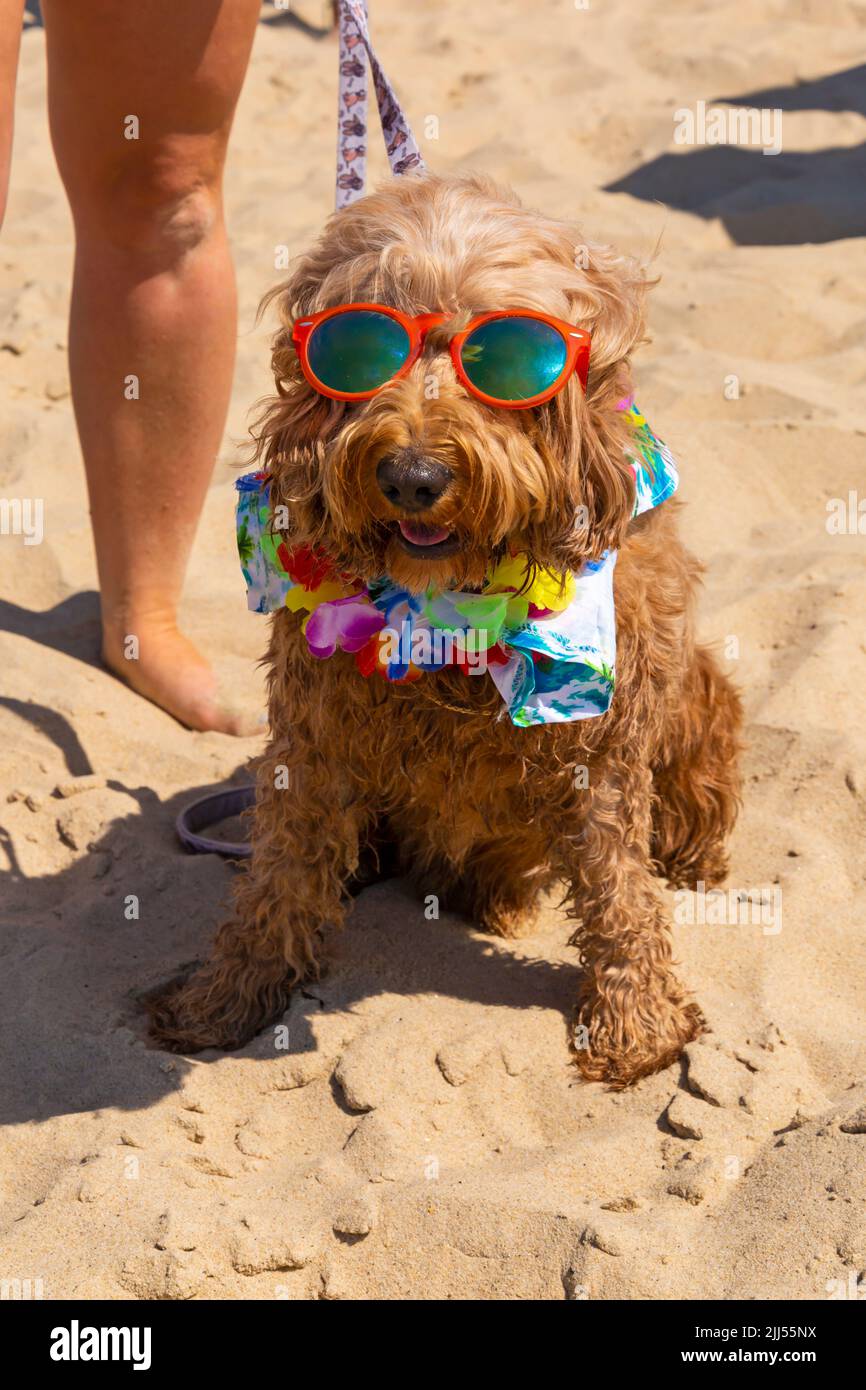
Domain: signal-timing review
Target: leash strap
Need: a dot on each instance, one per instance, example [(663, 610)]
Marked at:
[(403, 152)]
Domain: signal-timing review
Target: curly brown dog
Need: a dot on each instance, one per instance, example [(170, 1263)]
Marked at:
[(486, 814)]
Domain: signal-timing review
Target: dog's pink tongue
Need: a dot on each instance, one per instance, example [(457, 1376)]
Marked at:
[(423, 535)]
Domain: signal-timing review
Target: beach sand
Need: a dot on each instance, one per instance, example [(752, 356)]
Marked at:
[(422, 1133)]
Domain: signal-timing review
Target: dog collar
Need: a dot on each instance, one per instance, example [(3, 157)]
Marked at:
[(549, 646)]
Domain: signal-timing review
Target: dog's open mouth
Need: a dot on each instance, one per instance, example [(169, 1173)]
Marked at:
[(426, 542)]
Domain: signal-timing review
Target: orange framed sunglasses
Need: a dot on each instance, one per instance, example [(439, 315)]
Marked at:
[(511, 358)]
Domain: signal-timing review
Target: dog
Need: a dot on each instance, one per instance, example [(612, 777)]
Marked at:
[(486, 814)]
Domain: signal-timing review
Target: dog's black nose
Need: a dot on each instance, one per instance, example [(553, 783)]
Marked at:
[(412, 481)]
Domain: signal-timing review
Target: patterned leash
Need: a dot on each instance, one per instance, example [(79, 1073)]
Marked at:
[(403, 152)]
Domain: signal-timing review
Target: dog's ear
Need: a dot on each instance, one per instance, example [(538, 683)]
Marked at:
[(291, 426), (588, 432)]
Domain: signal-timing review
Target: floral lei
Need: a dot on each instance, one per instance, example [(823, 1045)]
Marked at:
[(349, 615)]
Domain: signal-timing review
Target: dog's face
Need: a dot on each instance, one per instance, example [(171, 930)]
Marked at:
[(373, 483)]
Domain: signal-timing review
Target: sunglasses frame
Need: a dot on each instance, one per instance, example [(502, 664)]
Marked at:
[(577, 345)]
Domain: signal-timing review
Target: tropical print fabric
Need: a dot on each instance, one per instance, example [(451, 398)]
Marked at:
[(548, 641), (655, 470)]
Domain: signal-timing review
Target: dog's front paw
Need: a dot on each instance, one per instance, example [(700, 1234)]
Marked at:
[(618, 1038), (209, 1011)]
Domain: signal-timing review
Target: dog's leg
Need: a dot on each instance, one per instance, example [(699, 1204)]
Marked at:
[(305, 850), (633, 1017), (501, 882), (697, 781)]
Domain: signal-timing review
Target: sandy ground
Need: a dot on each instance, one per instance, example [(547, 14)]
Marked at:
[(422, 1134)]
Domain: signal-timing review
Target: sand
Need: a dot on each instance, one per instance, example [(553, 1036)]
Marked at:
[(417, 1130)]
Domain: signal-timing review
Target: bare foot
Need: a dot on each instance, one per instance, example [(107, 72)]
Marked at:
[(158, 662)]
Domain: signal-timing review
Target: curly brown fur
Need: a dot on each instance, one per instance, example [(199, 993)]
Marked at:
[(485, 814)]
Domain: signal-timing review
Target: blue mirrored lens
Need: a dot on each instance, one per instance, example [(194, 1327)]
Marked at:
[(357, 351), (514, 359)]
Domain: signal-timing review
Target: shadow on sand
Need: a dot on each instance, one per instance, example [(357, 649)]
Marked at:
[(770, 200)]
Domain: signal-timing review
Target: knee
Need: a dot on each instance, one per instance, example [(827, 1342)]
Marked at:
[(158, 208)]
